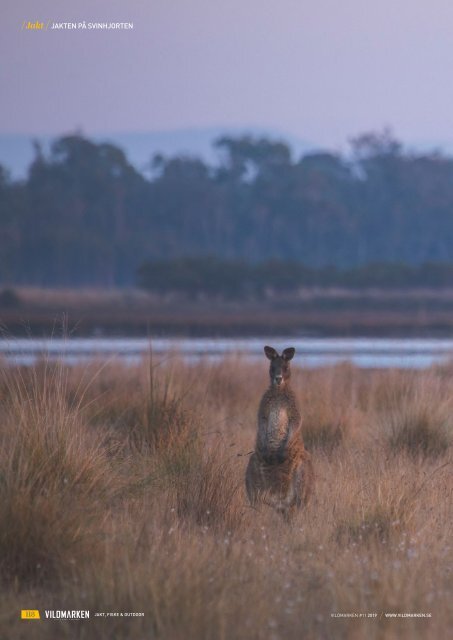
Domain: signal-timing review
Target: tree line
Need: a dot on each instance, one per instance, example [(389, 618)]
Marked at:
[(85, 216), (212, 277)]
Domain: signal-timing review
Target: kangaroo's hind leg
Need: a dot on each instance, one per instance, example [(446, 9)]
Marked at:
[(303, 480), (289, 512)]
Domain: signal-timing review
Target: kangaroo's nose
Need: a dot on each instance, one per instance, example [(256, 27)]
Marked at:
[(278, 379)]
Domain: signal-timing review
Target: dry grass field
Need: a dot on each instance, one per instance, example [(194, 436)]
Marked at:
[(121, 490)]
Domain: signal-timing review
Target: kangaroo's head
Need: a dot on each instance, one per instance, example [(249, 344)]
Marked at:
[(279, 369)]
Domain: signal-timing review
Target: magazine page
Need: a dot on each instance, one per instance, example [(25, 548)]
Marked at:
[(226, 320)]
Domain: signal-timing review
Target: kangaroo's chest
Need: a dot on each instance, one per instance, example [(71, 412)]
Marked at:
[(273, 427), (277, 421)]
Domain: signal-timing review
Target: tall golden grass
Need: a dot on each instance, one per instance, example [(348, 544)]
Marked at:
[(121, 490)]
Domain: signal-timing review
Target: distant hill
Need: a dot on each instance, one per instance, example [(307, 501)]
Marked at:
[(16, 150)]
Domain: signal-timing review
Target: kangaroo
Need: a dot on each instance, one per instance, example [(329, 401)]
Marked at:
[(280, 471)]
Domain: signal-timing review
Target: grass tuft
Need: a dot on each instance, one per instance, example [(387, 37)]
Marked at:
[(417, 418), (53, 473)]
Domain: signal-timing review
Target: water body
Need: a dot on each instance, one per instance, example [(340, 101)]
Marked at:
[(310, 352)]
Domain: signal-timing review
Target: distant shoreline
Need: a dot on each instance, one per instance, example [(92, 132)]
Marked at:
[(313, 313)]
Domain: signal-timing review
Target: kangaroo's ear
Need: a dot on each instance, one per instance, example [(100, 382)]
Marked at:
[(288, 354), (270, 353)]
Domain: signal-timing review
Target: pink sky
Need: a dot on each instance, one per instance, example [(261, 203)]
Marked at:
[(320, 70)]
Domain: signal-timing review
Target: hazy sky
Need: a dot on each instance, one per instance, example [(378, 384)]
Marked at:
[(321, 70)]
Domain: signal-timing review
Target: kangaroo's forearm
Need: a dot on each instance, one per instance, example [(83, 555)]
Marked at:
[(294, 425)]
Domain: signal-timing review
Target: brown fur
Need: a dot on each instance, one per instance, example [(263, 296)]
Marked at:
[(280, 471)]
